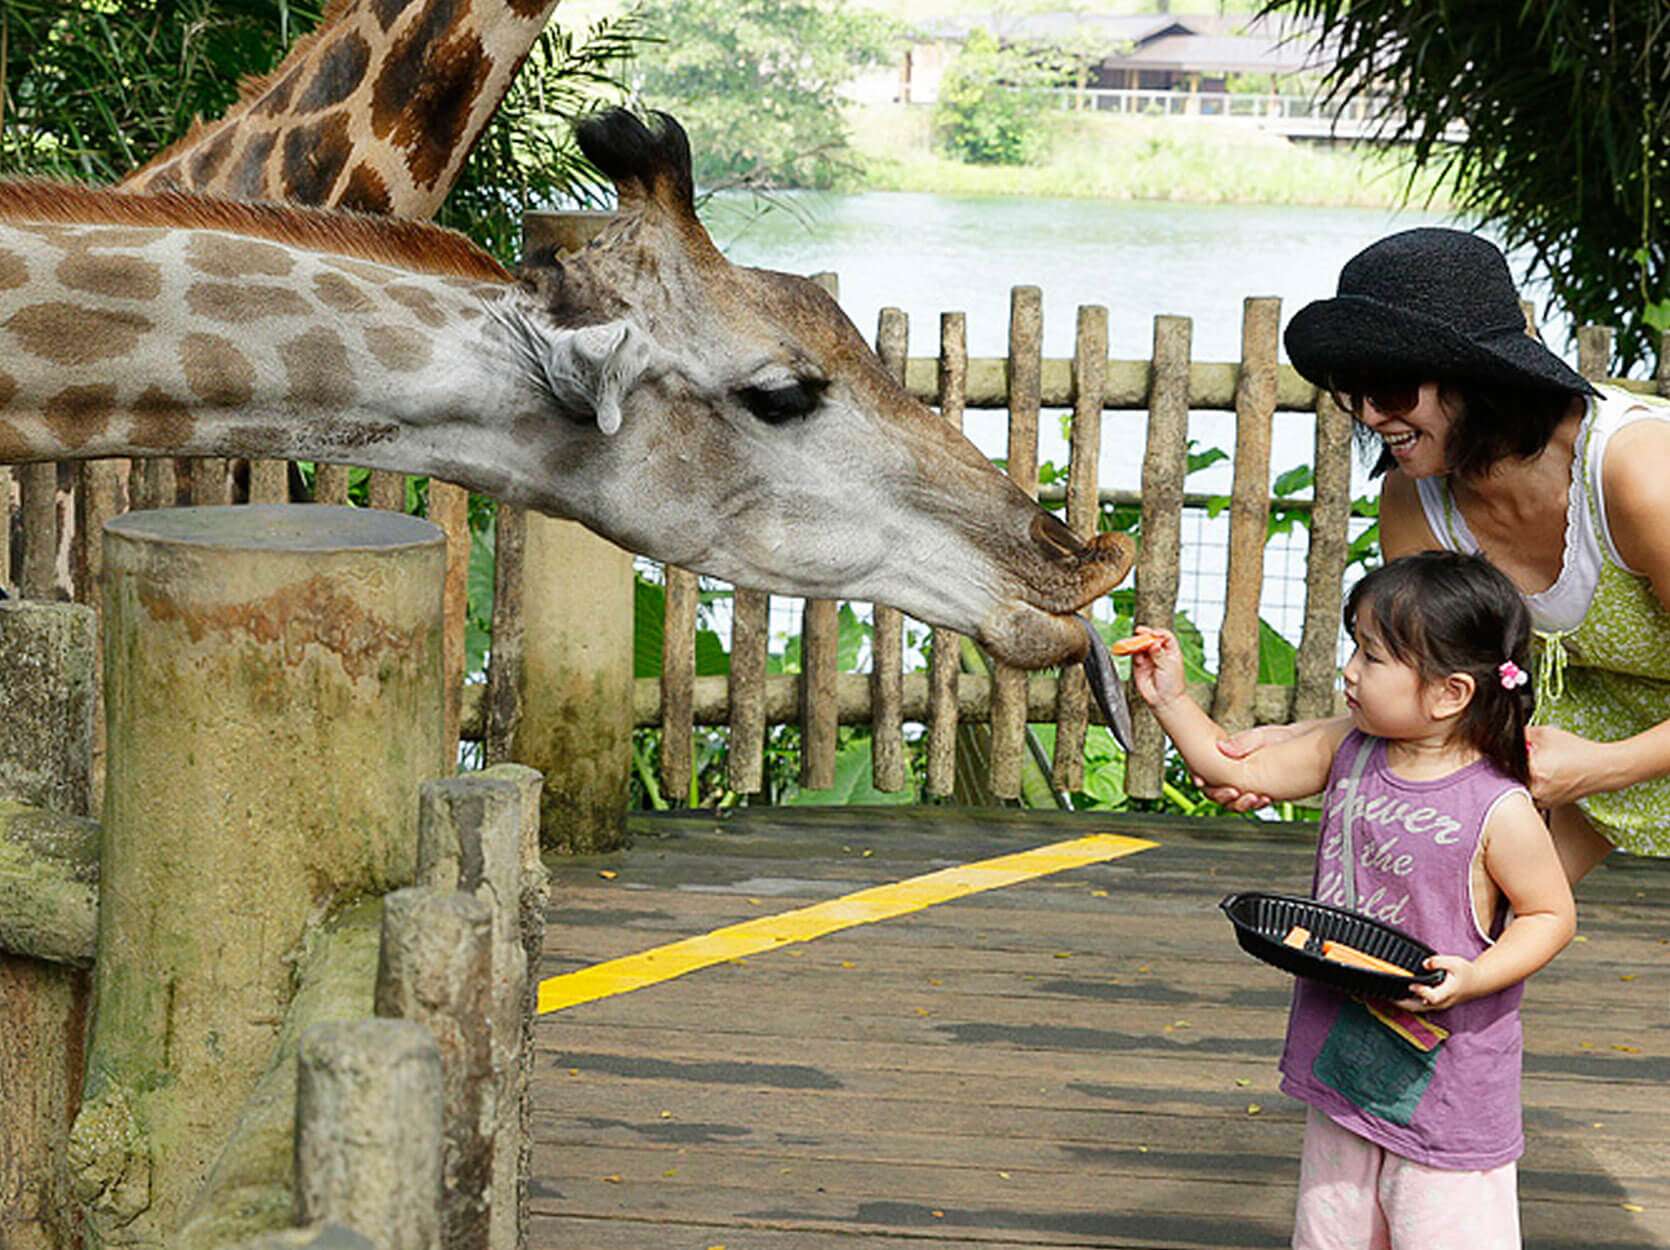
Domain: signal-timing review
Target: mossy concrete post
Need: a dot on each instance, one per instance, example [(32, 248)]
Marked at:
[(48, 874), (576, 682), (274, 698)]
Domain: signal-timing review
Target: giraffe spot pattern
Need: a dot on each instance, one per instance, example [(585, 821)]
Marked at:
[(421, 302), (14, 270), (216, 371), (224, 301), (360, 269), (341, 295), (341, 68), (229, 256), (13, 446), (248, 179), (313, 158), (429, 83), (78, 414), (277, 98), (318, 369), (8, 388), (528, 8), (160, 421), (366, 192), (397, 348), (120, 277), (207, 162), (388, 10), (116, 238), (74, 335)]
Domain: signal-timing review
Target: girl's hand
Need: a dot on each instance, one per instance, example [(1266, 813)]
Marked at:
[(1458, 986), (1564, 767), (1158, 673)]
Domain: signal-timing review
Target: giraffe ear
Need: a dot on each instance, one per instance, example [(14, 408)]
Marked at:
[(595, 366)]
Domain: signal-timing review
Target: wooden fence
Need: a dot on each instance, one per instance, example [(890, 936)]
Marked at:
[(57, 507)]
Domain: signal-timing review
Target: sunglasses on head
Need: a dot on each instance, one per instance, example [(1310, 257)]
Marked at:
[(1390, 398)]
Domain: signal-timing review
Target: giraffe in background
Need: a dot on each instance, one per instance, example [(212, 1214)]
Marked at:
[(376, 110)]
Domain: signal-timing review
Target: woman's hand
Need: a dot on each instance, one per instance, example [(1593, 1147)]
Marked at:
[(1238, 747), (1564, 767), (1158, 673), (1460, 984)]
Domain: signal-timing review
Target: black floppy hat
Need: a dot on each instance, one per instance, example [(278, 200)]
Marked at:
[(1424, 304)]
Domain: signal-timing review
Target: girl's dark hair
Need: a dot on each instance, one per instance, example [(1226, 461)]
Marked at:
[(1441, 612), (1492, 424)]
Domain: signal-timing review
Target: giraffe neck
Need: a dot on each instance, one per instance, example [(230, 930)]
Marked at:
[(375, 111), (157, 341)]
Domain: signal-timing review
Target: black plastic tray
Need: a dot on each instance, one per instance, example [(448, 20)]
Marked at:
[(1262, 920)]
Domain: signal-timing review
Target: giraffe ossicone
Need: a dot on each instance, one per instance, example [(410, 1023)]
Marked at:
[(725, 419)]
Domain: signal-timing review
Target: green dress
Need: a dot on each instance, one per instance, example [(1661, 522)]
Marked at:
[(1608, 676)]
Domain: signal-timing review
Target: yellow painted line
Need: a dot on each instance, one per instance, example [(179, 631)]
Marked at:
[(882, 902)]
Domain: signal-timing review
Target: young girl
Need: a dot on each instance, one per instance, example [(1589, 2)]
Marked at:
[(1414, 1120)]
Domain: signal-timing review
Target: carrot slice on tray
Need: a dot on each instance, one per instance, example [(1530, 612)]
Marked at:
[(1135, 643), (1339, 952)]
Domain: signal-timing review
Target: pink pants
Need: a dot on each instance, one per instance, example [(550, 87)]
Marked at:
[(1355, 1195)]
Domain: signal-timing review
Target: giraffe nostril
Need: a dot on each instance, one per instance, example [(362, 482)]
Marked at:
[(1054, 539)]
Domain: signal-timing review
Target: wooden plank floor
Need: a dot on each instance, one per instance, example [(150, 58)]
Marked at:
[(1085, 1059)]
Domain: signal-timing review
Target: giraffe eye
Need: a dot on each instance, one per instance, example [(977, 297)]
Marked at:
[(777, 404)]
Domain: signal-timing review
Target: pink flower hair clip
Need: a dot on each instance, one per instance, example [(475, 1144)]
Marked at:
[(1512, 675)]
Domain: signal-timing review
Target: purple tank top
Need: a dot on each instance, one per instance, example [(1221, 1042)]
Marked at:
[(1441, 1088)]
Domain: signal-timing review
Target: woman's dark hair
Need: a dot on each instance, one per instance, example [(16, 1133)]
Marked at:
[(1492, 424), (1441, 612)]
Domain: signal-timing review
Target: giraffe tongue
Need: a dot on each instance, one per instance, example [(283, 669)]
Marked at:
[(1106, 686)]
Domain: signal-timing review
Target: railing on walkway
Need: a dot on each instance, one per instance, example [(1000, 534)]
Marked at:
[(1294, 115)]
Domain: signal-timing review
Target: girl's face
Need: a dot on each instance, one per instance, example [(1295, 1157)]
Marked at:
[(1413, 421), (1386, 697)]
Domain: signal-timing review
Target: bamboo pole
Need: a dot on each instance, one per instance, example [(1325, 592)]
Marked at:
[(750, 636), (1317, 664), (387, 490), (1090, 358), (945, 663), (1026, 331), (330, 483), (211, 483), (887, 740), (449, 508), (5, 527), (1249, 513), (678, 678), (1164, 466), (502, 718), (820, 638), (269, 481)]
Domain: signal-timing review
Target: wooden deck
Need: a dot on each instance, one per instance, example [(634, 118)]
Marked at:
[(1084, 1059)]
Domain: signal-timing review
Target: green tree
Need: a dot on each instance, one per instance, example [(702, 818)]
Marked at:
[(756, 82), (990, 111), (1567, 155)]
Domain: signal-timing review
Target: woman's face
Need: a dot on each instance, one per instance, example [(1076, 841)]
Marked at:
[(1413, 423)]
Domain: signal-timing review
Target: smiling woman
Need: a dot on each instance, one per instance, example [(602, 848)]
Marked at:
[(1502, 449)]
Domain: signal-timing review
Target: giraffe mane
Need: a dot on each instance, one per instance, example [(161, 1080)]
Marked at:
[(251, 87), (405, 244)]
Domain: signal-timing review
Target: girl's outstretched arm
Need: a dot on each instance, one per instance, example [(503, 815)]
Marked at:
[(1290, 769), (1519, 855)]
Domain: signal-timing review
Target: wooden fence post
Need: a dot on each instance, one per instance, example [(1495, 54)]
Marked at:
[(212, 868), (1164, 467), (1009, 685), (368, 1131), (945, 664), (820, 641), (569, 707), (887, 742), (435, 967), (1249, 514)]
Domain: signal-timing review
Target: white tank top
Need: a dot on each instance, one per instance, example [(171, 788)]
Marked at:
[(1564, 604)]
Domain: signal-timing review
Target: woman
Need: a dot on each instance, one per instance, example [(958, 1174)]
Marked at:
[(1490, 443)]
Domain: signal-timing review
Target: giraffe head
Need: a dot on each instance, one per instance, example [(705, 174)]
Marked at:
[(734, 421)]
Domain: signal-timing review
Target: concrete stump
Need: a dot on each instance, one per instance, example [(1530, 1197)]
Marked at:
[(368, 1131), (274, 700)]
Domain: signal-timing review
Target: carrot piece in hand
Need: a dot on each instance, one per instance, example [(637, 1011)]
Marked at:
[(1135, 643), (1339, 952)]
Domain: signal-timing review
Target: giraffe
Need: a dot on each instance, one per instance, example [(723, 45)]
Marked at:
[(725, 419), (375, 111)]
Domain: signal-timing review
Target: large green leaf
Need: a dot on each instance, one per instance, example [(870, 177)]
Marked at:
[(649, 614), (854, 782)]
